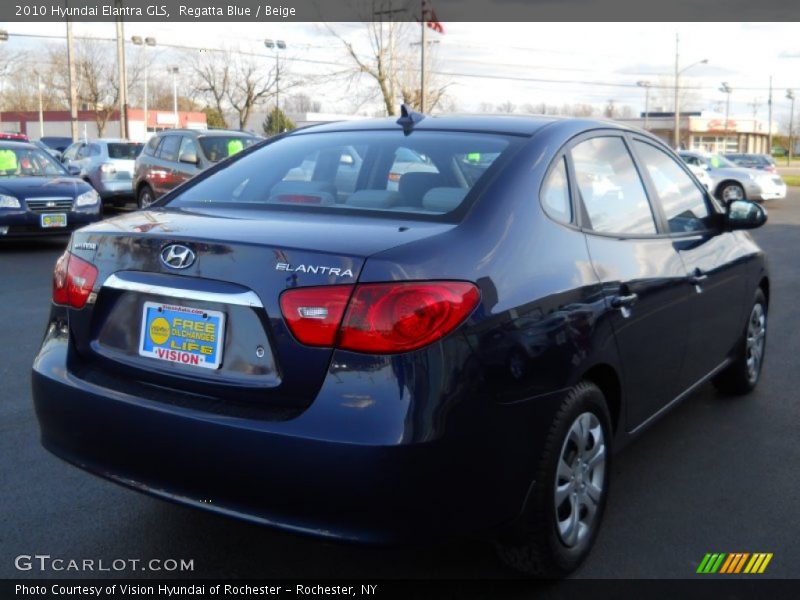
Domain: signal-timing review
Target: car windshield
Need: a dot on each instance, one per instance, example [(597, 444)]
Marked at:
[(124, 150), (21, 161), (355, 171), (217, 147), (717, 161)]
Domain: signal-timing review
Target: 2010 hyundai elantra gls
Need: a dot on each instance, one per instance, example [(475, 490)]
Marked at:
[(459, 352)]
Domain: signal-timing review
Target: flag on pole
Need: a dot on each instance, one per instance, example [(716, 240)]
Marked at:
[(429, 17)]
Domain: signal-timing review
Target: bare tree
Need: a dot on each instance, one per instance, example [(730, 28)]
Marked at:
[(662, 95), (391, 61), (97, 79), (506, 107), (229, 79), (212, 72), (250, 86), (301, 103)]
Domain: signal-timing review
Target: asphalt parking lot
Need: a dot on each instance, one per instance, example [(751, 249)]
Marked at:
[(715, 475)]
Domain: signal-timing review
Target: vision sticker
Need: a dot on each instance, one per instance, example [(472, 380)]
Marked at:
[(183, 335)]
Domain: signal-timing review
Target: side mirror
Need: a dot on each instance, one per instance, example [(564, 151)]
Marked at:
[(744, 214), (189, 158), (74, 170)]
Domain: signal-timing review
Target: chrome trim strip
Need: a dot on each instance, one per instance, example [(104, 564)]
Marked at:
[(242, 299), (671, 404)]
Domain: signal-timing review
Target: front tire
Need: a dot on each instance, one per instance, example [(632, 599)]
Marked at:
[(742, 375), (145, 197), (565, 508), (730, 192)]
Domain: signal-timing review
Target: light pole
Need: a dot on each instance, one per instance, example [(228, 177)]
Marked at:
[(676, 135), (174, 72), (144, 43), (276, 45), (726, 89), (646, 85), (41, 107), (790, 96)]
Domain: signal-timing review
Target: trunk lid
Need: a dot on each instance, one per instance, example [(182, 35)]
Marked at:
[(225, 300)]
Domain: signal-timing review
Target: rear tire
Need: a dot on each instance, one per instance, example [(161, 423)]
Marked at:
[(566, 504), (742, 375), (145, 197)]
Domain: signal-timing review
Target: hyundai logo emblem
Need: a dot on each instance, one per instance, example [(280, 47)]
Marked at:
[(177, 256)]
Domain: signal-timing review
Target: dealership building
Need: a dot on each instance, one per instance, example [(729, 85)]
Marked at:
[(708, 131), (56, 123)]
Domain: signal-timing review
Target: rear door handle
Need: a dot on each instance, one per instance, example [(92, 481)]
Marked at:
[(698, 278), (624, 301)]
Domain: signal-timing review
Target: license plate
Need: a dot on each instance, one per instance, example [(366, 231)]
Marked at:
[(54, 220), (182, 335)]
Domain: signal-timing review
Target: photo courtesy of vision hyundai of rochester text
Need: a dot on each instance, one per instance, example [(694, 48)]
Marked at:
[(404, 329)]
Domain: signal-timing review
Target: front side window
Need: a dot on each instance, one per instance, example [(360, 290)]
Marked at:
[(555, 193), (169, 148), (350, 170), (610, 188), (71, 152), (683, 203)]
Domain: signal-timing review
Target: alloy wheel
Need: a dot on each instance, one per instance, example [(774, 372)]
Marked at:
[(756, 336), (580, 479)]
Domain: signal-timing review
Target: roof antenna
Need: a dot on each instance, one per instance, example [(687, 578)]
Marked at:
[(408, 118)]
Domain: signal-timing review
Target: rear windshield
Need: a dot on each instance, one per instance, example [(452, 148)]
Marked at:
[(427, 172), (124, 151), (217, 147)]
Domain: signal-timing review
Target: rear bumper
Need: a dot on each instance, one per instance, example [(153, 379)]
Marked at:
[(114, 190), (329, 472)]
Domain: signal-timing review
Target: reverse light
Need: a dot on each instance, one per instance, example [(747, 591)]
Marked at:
[(73, 280), (378, 318), (314, 313)]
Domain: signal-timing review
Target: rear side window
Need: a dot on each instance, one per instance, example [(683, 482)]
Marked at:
[(555, 193), (124, 151), (683, 203), (152, 144), (218, 147), (169, 148), (352, 171), (610, 188)]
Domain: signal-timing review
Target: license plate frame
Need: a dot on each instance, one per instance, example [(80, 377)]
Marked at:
[(182, 335), (53, 220)]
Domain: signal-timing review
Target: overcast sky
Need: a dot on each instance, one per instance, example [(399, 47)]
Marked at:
[(489, 62)]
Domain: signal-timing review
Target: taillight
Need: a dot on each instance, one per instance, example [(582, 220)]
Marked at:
[(73, 280), (380, 318)]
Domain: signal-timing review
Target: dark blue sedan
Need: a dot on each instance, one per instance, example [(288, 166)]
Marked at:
[(452, 352), (38, 196)]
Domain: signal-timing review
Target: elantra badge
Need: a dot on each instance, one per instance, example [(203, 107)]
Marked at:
[(177, 256)]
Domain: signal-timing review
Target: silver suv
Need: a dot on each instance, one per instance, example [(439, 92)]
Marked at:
[(107, 164)]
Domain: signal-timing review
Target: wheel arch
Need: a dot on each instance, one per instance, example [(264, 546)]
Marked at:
[(607, 379), (763, 285)]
